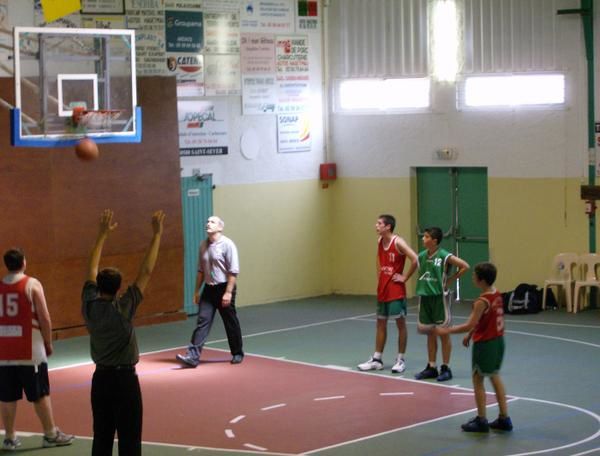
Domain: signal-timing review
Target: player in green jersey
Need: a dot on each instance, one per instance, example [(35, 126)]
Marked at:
[(434, 300)]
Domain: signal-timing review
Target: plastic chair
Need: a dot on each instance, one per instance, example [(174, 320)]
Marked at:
[(589, 263), (562, 276)]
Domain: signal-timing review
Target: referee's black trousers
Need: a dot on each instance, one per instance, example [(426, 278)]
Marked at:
[(210, 302)]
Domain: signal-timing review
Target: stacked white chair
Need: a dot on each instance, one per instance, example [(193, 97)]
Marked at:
[(589, 263), (563, 277)]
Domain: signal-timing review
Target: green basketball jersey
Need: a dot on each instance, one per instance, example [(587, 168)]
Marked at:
[(432, 273)]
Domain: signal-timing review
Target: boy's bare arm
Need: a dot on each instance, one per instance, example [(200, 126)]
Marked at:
[(461, 265), (43, 316), (404, 248), (479, 307)]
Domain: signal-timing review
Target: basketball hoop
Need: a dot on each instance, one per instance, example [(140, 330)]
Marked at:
[(94, 120)]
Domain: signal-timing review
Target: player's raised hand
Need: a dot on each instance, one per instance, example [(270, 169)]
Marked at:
[(106, 221), (157, 222)]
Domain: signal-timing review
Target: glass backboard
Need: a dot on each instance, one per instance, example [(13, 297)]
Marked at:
[(72, 83)]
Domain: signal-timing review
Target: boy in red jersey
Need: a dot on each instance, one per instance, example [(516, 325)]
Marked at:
[(392, 252), (486, 326)]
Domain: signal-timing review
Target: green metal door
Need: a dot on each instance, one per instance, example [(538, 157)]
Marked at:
[(455, 199), (197, 204)]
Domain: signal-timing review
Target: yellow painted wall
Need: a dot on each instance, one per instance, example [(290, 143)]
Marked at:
[(282, 234), (530, 220), (355, 207)]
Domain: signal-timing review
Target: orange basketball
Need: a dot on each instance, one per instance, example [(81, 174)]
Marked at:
[(86, 149)]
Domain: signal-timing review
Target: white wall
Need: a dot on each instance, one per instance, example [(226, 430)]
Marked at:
[(511, 143), (269, 165)]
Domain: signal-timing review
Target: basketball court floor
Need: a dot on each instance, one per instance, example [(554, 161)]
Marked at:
[(298, 391)]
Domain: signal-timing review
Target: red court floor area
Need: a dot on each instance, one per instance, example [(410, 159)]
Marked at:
[(261, 405)]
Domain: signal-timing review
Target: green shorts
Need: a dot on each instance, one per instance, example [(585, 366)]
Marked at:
[(392, 309), (487, 356), (434, 310)]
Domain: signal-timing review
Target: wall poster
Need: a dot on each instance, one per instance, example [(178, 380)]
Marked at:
[(291, 58), (147, 18), (203, 128), (102, 7), (293, 133), (259, 88), (274, 16)]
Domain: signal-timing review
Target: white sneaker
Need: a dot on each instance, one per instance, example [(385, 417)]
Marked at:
[(11, 444), (372, 364), (399, 367)]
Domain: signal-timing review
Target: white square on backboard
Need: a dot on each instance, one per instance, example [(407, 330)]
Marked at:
[(66, 111)]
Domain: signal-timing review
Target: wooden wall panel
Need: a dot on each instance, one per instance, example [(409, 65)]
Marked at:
[(51, 203)]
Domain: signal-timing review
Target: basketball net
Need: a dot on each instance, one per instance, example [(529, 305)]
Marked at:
[(94, 120)]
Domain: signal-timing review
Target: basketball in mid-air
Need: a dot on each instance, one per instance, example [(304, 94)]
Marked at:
[(86, 149)]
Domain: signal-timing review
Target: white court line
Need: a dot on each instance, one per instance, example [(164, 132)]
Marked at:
[(330, 398), (245, 336), (523, 333), (254, 447), (410, 426), (562, 339), (593, 450), (352, 371), (547, 323), (237, 419), (547, 450), (396, 394), (229, 433), (540, 323), (570, 445), (489, 393), (173, 445), (333, 366), (508, 320), (294, 328), (271, 407)]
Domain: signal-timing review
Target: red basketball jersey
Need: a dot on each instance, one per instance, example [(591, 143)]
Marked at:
[(15, 321), (390, 262), (491, 323)]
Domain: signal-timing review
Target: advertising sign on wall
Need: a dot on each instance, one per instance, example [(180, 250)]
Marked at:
[(183, 31), (259, 90), (222, 33), (203, 128), (222, 74), (102, 7), (291, 58), (274, 16), (293, 133), (148, 19)]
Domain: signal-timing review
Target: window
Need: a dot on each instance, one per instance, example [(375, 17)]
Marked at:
[(382, 95), (445, 40), (513, 91)]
